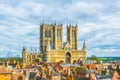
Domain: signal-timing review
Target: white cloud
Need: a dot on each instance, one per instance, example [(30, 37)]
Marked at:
[(85, 7), (98, 23), (32, 7), (10, 11)]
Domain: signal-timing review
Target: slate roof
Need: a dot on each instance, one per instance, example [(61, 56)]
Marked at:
[(104, 77), (32, 76), (81, 78)]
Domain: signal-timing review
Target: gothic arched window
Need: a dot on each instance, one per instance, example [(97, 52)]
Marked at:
[(46, 32), (73, 33), (49, 33), (59, 34)]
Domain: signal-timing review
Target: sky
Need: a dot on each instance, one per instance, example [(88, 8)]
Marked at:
[(98, 24)]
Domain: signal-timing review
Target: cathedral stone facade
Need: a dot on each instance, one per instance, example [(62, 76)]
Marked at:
[(53, 48)]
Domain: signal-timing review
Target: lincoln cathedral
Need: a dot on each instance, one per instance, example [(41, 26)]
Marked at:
[(53, 48)]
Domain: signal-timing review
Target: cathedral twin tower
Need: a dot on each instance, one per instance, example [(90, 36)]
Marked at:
[(52, 48), (54, 34)]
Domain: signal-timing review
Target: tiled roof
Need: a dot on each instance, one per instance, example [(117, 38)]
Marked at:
[(4, 70)]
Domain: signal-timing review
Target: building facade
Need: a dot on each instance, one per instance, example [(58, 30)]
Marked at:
[(29, 56), (54, 49)]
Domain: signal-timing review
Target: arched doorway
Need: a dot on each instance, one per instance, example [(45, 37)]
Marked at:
[(68, 58)]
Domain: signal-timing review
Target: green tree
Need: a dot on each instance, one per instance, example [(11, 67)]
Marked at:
[(12, 59), (1, 59), (82, 70), (93, 57)]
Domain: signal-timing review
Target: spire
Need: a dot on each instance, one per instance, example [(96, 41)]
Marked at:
[(70, 23), (43, 21), (61, 24), (48, 46), (76, 25), (67, 26), (84, 46), (31, 50), (35, 50), (24, 50), (55, 22)]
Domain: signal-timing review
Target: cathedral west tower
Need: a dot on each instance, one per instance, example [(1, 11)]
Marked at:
[(72, 33), (51, 33)]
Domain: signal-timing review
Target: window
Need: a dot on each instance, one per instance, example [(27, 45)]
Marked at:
[(45, 33), (73, 33), (59, 34), (49, 33)]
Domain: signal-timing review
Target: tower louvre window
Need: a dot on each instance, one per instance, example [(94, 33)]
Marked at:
[(46, 33), (73, 33), (59, 34), (49, 33)]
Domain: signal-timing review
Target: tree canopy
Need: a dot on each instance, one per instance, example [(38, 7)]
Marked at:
[(82, 70), (93, 57)]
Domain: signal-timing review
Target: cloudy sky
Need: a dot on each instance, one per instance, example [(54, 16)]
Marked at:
[(98, 22)]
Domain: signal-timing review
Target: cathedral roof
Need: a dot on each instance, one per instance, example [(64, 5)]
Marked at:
[(66, 45)]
